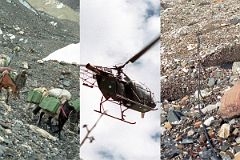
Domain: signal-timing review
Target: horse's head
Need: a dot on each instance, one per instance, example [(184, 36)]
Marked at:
[(20, 80)]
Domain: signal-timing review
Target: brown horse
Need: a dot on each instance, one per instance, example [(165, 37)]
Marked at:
[(8, 83)]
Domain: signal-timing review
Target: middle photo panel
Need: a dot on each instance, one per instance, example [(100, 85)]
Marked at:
[(120, 80)]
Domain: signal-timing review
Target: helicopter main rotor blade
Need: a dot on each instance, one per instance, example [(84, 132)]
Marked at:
[(139, 54)]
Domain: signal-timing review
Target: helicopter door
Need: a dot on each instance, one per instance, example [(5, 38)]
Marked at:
[(107, 86)]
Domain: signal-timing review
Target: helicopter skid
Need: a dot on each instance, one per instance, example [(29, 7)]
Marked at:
[(104, 113)]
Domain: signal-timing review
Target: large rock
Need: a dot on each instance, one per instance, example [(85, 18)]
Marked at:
[(230, 102)]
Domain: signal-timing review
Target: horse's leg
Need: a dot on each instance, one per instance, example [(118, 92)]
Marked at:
[(7, 96), (72, 120), (60, 126), (36, 110), (40, 118), (1, 92), (49, 122)]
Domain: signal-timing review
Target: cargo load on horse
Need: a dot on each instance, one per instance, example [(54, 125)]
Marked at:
[(35, 96), (4, 60), (48, 100), (76, 104), (50, 103), (62, 94)]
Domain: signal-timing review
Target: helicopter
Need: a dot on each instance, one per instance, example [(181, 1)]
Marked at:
[(119, 88)]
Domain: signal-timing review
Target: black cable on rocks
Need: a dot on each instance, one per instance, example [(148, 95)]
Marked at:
[(215, 154)]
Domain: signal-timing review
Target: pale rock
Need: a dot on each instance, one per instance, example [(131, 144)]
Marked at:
[(1, 139), (204, 93), (53, 23), (11, 36), (8, 131), (167, 126), (25, 65), (42, 132), (21, 32), (185, 70), (26, 146), (208, 121), (233, 121), (235, 131), (210, 107), (191, 46), (40, 61), (238, 140), (17, 28), (236, 68), (162, 130), (224, 131), (190, 133)]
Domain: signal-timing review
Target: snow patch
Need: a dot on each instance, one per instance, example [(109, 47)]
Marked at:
[(69, 54), (60, 5), (26, 4)]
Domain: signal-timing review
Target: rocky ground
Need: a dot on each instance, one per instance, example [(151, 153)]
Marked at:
[(217, 24), (28, 36)]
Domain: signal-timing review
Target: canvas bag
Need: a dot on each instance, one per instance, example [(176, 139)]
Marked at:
[(76, 104), (50, 104), (34, 97)]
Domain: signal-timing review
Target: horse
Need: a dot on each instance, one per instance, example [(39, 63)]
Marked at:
[(61, 115), (7, 82)]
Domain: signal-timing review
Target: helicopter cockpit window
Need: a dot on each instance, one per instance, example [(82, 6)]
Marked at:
[(140, 86)]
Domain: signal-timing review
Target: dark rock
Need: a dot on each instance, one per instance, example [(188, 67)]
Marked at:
[(205, 154), (224, 146), (171, 153), (163, 118), (236, 148), (66, 83), (61, 77), (211, 82), (235, 20), (174, 116)]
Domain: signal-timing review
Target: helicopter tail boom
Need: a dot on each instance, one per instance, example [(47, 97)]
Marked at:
[(92, 68)]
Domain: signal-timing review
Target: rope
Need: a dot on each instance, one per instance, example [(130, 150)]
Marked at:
[(215, 154)]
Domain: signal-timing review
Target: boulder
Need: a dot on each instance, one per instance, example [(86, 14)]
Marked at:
[(230, 102)]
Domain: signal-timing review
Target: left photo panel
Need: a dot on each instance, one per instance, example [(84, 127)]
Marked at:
[(39, 79)]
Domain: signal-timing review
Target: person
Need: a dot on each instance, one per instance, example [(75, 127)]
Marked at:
[(21, 79)]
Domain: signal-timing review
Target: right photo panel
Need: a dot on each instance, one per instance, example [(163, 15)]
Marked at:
[(200, 87)]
